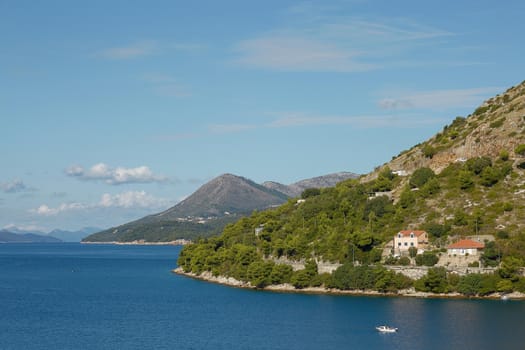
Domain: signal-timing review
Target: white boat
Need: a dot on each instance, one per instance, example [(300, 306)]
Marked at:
[(386, 329)]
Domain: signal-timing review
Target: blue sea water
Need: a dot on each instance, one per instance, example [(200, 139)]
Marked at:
[(72, 296)]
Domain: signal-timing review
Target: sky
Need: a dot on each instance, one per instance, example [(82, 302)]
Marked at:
[(113, 110)]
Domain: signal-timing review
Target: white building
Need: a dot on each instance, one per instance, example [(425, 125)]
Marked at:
[(464, 247), (405, 239)]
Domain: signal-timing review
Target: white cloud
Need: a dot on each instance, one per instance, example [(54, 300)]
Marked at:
[(138, 49), (132, 199), (126, 200), (114, 176), (15, 186), (437, 99), (45, 210)]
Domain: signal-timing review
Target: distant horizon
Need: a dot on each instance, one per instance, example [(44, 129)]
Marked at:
[(116, 112)]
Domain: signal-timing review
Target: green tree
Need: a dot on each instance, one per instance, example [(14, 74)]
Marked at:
[(510, 268), (489, 176), (465, 180), (407, 198), (491, 254), (434, 281), (259, 272), (470, 284), (476, 165), (310, 192), (421, 177), (437, 230), (281, 273)]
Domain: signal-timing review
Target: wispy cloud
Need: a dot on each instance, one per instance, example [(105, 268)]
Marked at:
[(166, 85), (131, 51), (229, 128), (328, 42), (15, 186), (437, 99), (291, 120), (126, 200), (296, 53), (145, 48), (25, 228), (114, 176)]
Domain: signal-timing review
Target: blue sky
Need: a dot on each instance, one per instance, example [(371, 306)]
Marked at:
[(112, 110)]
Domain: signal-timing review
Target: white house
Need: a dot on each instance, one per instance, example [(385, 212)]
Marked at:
[(464, 247), (405, 239)]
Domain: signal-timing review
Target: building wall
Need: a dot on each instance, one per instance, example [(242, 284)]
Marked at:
[(404, 242), (456, 251)]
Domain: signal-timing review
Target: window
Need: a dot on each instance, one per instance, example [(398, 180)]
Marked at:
[(399, 235), (411, 244), (406, 243), (411, 235), (399, 244)]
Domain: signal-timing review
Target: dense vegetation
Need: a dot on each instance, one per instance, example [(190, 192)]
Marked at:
[(352, 221)]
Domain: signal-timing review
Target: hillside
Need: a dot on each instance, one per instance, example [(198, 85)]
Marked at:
[(220, 201), (467, 180)]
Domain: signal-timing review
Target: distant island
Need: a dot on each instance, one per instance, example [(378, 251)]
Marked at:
[(464, 189), (11, 237)]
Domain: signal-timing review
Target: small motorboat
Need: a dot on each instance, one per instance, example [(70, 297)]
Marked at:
[(386, 329)]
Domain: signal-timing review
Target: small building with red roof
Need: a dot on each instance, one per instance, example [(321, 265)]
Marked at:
[(465, 247), (405, 239)]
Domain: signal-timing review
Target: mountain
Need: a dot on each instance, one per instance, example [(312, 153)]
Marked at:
[(225, 194), (467, 180), (295, 189), (222, 200), (73, 236), (10, 237)]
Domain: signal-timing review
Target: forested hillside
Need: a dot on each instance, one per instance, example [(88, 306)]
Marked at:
[(467, 180)]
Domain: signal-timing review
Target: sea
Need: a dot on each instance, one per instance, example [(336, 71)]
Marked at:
[(75, 296)]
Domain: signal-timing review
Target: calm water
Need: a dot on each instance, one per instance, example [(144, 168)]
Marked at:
[(72, 296)]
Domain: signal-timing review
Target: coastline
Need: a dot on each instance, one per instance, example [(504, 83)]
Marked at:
[(288, 288), (142, 242)]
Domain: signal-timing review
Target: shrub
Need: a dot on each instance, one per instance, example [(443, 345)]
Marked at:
[(404, 261), (497, 123), (520, 150), (504, 155), (421, 177), (427, 259), (481, 110), (429, 151), (476, 165)]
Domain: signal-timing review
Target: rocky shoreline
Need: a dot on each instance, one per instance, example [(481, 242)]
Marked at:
[(288, 288), (142, 242)]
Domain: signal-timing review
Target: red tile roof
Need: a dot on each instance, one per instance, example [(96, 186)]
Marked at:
[(466, 244), (408, 232)]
